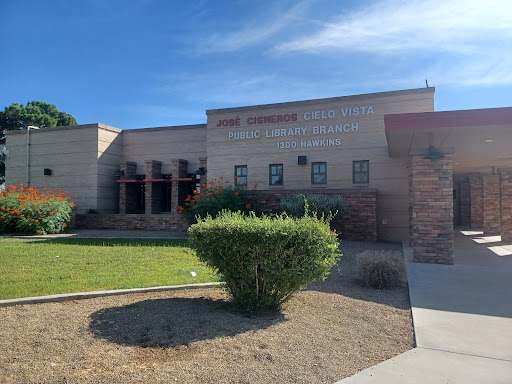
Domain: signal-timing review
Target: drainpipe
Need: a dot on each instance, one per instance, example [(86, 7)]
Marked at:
[(28, 152)]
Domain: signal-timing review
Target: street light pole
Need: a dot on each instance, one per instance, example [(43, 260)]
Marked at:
[(28, 152)]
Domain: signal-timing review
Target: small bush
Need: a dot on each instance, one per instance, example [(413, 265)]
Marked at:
[(216, 196), (327, 206), (381, 269), (264, 260), (27, 210)]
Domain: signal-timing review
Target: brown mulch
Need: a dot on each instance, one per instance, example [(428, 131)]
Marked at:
[(330, 331)]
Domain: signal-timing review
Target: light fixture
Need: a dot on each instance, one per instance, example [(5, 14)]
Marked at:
[(488, 141), (199, 172)]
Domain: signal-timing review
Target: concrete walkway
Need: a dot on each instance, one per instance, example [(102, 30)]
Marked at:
[(462, 318)]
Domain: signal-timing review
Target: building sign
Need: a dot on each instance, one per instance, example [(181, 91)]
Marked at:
[(271, 119), (299, 133)]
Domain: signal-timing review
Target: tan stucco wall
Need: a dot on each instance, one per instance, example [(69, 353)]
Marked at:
[(85, 158), (110, 152), (80, 158), (164, 144), (388, 175)]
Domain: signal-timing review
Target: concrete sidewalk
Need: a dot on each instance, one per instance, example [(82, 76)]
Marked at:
[(462, 318)]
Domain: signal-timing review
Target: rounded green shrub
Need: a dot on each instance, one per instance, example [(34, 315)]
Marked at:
[(31, 211), (328, 206), (264, 260)]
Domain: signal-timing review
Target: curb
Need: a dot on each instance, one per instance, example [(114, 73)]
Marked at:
[(93, 294)]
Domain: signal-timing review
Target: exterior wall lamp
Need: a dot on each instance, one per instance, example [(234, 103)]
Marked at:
[(199, 172)]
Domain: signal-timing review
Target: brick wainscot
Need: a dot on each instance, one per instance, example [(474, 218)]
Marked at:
[(358, 222), (172, 223)]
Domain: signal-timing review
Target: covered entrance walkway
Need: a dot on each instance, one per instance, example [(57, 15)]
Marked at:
[(460, 172)]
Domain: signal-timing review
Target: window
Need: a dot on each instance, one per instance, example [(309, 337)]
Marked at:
[(361, 172), (318, 173), (275, 174), (240, 174)]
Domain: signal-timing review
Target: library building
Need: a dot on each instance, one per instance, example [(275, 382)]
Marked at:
[(406, 172)]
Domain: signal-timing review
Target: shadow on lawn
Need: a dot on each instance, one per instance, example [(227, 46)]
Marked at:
[(174, 322)]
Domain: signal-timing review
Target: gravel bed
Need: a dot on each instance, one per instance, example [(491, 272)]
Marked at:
[(330, 331)]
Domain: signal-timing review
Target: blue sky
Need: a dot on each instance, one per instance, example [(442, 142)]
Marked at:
[(133, 64)]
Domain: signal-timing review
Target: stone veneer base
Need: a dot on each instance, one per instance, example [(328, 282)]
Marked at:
[(171, 223), (358, 222)]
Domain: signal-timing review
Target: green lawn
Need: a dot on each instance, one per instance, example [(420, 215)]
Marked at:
[(35, 267)]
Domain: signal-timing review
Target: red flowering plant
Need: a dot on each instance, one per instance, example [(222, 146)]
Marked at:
[(34, 211), (216, 196)]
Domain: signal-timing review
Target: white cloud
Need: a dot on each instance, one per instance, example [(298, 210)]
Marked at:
[(256, 32), (388, 45), (471, 39), (391, 26)]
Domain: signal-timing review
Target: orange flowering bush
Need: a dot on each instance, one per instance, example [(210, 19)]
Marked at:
[(216, 196), (31, 211)]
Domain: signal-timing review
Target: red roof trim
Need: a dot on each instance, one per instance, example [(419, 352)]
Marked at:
[(169, 180), (448, 119), (156, 180)]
